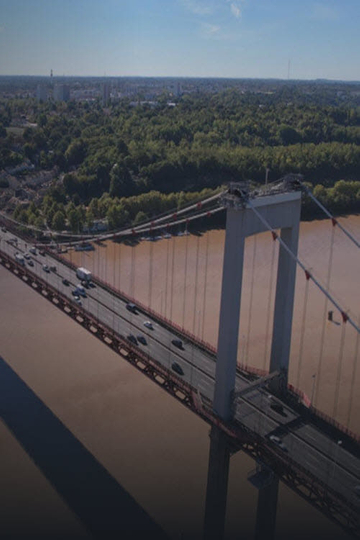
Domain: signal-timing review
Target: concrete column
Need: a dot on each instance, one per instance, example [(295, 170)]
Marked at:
[(266, 511), (284, 299), (229, 312), (217, 484)]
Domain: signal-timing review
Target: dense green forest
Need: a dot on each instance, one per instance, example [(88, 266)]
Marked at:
[(104, 155)]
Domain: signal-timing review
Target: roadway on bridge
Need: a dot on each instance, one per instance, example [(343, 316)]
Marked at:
[(306, 445)]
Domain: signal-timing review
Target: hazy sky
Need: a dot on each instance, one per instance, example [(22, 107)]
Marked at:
[(219, 38)]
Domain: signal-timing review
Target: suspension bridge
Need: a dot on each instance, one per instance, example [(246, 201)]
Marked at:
[(248, 385)]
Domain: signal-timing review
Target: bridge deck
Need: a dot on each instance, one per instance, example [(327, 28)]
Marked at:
[(332, 465)]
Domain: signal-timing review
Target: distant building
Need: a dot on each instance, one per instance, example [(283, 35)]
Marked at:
[(61, 92), (41, 92), (105, 92), (176, 89)]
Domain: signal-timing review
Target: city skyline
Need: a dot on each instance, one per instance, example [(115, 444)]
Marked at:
[(181, 38)]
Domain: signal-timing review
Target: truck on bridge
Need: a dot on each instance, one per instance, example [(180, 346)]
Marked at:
[(83, 274)]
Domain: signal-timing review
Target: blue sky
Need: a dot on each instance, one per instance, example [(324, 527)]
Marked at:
[(198, 38)]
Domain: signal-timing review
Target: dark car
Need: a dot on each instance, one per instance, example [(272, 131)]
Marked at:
[(142, 340), (85, 284), (132, 338), (53, 268), (30, 262), (177, 368), (65, 282), (131, 307), (277, 407), (178, 343), (4, 229), (46, 268)]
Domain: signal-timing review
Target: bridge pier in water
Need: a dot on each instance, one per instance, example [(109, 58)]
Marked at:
[(281, 211), (266, 511), (217, 485)]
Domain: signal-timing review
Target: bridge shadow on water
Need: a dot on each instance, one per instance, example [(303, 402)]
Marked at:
[(99, 501)]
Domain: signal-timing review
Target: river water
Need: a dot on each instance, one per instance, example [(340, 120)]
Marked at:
[(154, 447)]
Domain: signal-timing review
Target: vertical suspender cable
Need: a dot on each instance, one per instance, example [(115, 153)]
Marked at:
[(119, 266), (114, 284), (338, 374), (196, 281), (245, 360), (166, 275), (205, 282), (185, 278), (353, 378), (172, 279), (322, 338), (271, 279), (150, 267), (302, 332), (132, 270)]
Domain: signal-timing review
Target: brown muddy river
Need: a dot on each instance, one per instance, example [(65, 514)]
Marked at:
[(155, 448)]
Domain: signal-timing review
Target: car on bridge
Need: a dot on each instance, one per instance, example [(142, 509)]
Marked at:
[(77, 300), (276, 406), (131, 307), (46, 268), (149, 325), (27, 256), (33, 250), (66, 282), (80, 290), (177, 368), (30, 262), (178, 343), (141, 339), (276, 440), (41, 252), (132, 338)]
